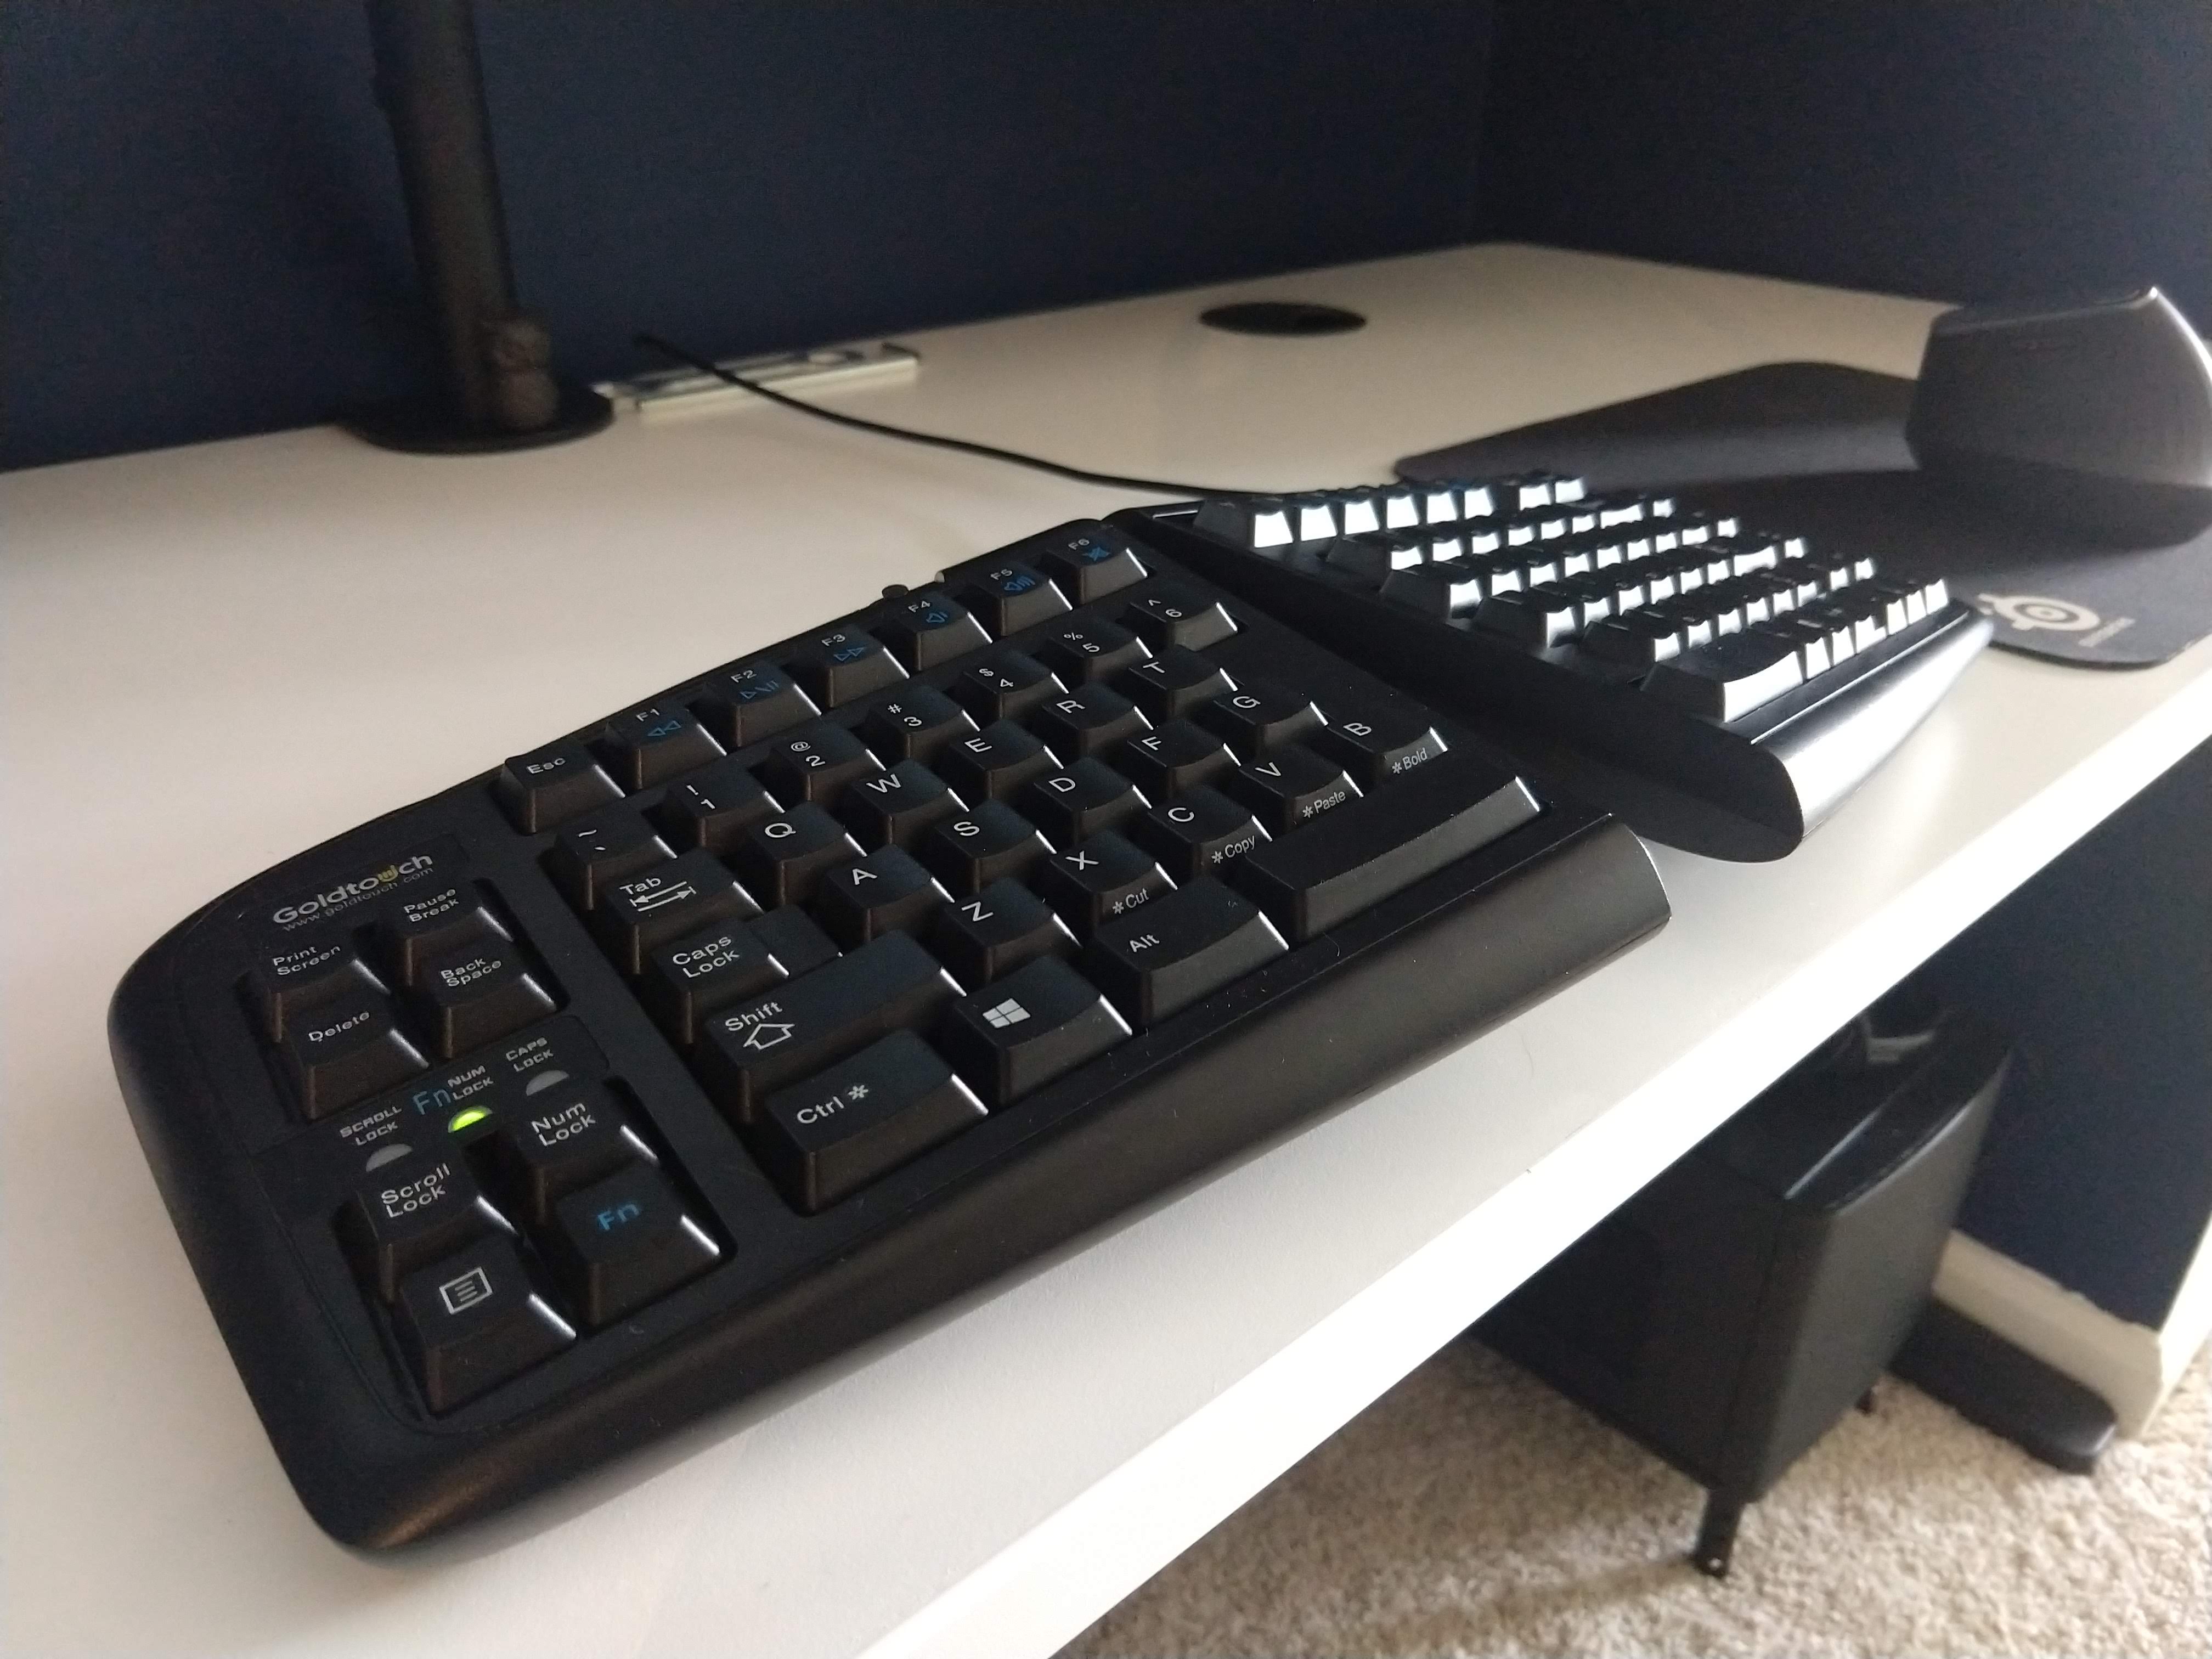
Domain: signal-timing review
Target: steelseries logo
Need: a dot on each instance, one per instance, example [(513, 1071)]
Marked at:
[(347, 894)]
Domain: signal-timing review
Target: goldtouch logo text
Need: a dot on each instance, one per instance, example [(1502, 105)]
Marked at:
[(347, 894)]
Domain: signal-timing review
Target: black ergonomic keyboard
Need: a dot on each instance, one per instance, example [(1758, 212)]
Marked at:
[(531, 1121), (1723, 688)]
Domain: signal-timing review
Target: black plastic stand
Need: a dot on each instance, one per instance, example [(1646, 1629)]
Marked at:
[(500, 393), (2005, 1389)]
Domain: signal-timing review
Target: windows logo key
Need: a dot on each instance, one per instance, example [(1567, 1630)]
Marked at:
[(999, 1014)]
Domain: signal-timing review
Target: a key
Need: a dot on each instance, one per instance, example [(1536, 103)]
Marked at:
[(1003, 685), (707, 811), (1729, 678), (558, 1140), (1010, 596), (1088, 560), (472, 1320), (1175, 682), (652, 744), (411, 1212), (1091, 720), (1020, 1032), (924, 629), (1176, 756), (754, 702), (1083, 649), (607, 847), (1106, 876), (623, 1242), (433, 924), (781, 860), (691, 891), (689, 978), (1288, 787), (889, 809), (1374, 749), (815, 763), (993, 932), (547, 786), (285, 980), (476, 995), (345, 1050), (976, 848), (885, 892), (1179, 948), (750, 1050), (843, 663), (1362, 852), (1257, 718), (1075, 804), (992, 764), (914, 724), (1164, 615), (1196, 834), (826, 1138)]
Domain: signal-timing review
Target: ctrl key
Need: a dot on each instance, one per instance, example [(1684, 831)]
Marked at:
[(472, 1320), (833, 1133)]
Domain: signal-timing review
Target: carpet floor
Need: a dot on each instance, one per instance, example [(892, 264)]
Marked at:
[(1470, 1511)]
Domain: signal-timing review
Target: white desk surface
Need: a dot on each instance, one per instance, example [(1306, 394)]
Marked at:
[(215, 656)]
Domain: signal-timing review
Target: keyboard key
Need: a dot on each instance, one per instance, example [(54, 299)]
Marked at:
[(1253, 521), (781, 860), (843, 663), (691, 891), (831, 1135), (1196, 834), (1020, 1032), (346, 1050), (1729, 678), (1376, 749), (1176, 756), (411, 1213), (608, 847), (1084, 649), (1010, 596), (1003, 685), (993, 932), (1363, 851), (1258, 718), (1178, 948), (972, 851), (993, 764), (707, 811), (476, 996), (1288, 787), (815, 763), (1175, 682), (1105, 878), (1374, 555), (1537, 616), (885, 892), (1090, 722), (653, 745), (754, 702), (748, 1052), (914, 724), (1075, 804), (471, 1322), (623, 1242), (891, 808), (1167, 615), (928, 629), (687, 979), (1638, 639), (283, 982), (1088, 560), (558, 1141), (434, 925), (793, 939), (547, 786)]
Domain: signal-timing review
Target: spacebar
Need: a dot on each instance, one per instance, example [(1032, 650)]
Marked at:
[(1367, 850)]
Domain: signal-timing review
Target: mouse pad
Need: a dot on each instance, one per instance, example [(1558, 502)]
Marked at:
[(1818, 449)]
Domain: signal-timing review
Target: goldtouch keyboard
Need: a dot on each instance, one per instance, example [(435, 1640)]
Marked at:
[(1721, 687), (532, 1120)]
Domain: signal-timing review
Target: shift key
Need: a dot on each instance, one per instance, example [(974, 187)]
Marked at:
[(747, 1052)]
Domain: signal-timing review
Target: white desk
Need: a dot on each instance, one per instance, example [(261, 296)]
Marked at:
[(216, 656)]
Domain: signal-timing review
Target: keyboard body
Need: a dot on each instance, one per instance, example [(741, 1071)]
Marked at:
[(1723, 688), (532, 1120)]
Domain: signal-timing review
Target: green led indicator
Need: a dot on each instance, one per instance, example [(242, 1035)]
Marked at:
[(460, 1121)]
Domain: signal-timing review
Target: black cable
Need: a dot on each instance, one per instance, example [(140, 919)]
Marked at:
[(676, 353)]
